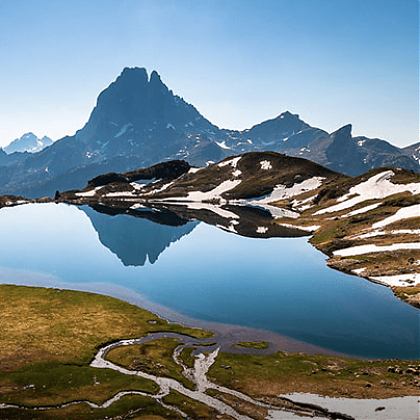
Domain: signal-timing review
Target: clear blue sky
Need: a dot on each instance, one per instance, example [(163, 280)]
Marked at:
[(239, 62)]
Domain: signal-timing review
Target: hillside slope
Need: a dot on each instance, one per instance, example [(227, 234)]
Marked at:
[(367, 225)]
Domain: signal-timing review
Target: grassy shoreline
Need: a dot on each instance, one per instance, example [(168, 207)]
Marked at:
[(49, 336)]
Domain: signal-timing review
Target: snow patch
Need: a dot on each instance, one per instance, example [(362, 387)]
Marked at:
[(262, 229), (403, 280), (367, 249), (123, 130), (120, 194), (215, 193), (207, 206), (266, 165), (233, 162), (193, 170), (222, 144), (362, 210), (281, 192), (89, 193), (403, 213), (276, 212), (138, 206), (137, 186), (162, 188), (392, 232), (369, 235), (376, 187), (230, 228), (305, 228)]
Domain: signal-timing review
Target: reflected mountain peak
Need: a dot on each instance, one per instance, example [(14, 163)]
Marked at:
[(135, 240)]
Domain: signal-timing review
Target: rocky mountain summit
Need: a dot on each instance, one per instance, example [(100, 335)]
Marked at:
[(138, 122), (29, 142)]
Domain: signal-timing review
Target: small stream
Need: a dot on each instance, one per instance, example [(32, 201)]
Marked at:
[(198, 376)]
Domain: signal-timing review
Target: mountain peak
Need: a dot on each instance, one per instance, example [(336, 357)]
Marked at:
[(28, 135), (288, 115), (345, 130), (156, 82), (154, 77), (132, 76), (133, 72), (29, 142)]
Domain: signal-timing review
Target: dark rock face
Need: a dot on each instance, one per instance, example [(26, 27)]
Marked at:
[(165, 171), (134, 112), (3, 156), (138, 122)]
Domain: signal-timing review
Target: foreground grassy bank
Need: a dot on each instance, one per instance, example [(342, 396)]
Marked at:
[(48, 338)]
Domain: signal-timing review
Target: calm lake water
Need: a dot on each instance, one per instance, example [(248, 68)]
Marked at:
[(279, 284)]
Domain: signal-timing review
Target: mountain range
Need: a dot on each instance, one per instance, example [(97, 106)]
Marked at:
[(138, 122), (29, 142)]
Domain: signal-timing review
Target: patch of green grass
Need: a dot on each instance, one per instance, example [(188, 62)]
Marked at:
[(144, 408), (39, 324), (410, 290), (192, 408), (252, 344), (153, 357), (187, 356), (284, 373), (49, 336), (52, 383)]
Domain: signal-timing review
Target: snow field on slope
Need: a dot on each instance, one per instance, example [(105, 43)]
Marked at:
[(392, 232), (233, 162), (281, 192), (403, 213), (215, 193), (362, 210), (375, 188), (402, 280), (367, 249)]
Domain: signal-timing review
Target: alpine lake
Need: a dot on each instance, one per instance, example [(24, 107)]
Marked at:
[(201, 273)]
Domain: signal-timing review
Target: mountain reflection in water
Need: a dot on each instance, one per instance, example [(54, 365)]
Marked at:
[(135, 240), (280, 285)]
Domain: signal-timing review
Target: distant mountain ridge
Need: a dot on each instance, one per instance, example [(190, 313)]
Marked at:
[(29, 142), (138, 122)]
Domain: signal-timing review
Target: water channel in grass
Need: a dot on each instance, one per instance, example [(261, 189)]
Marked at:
[(281, 285)]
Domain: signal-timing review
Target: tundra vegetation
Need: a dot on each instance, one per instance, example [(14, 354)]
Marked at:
[(48, 338)]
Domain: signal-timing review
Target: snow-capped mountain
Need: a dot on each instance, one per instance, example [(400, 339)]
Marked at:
[(138, 122), (29, 142)]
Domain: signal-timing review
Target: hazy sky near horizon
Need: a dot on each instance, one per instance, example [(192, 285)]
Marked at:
[(239, 62)]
